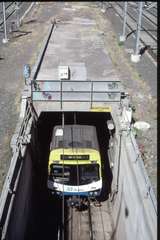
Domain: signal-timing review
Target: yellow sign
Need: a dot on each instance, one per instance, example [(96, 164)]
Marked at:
[(101, 109)]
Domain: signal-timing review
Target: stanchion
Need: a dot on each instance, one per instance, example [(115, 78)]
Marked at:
[(136, 56), (5, 39), (122, 38)]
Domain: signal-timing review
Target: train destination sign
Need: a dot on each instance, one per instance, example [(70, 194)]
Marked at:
[(74, 157)]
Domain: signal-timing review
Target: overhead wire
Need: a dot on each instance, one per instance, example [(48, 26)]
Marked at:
[(78, 179), (63, 178)]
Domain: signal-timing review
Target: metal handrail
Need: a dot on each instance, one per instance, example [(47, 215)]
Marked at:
[(88, 87), (57, 80)]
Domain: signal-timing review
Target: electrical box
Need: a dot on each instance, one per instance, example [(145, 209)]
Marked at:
[(64, 73)]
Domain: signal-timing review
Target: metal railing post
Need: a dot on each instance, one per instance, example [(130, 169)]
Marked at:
[(5, 39), (136, 56), (122, 38)]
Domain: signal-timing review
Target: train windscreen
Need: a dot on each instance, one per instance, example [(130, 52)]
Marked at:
[(75, 174)]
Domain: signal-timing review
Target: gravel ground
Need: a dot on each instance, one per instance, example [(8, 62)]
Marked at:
[(24, 49)]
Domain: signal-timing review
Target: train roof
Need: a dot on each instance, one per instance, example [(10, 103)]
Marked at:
[(74, 136)]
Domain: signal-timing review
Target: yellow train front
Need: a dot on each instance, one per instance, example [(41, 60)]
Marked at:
[(74, 167)]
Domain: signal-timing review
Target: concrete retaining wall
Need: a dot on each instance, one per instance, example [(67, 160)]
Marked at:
[(22, 205), (134, 213)]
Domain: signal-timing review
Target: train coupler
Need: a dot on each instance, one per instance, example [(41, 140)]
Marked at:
[(79, 203)]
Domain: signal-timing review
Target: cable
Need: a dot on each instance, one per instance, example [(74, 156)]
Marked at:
[(63, 181), (78, 181)]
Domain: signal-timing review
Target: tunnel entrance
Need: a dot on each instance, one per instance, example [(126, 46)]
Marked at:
[(47, 209)]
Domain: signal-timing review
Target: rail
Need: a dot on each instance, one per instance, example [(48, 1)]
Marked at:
[(90, 222), (146, 25), (150, 37), (10, 9)]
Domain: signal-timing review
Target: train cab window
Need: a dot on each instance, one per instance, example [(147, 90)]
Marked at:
[(59, 174), (75, 175), (89, 173)]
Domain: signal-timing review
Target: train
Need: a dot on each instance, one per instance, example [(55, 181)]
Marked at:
[(74, 166)]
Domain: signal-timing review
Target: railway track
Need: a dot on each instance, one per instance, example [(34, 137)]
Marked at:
[(10, 8), (148, 35), (80, 224), (89, 224), (7, 5), (148, 25), (152, 10), (91, 234)]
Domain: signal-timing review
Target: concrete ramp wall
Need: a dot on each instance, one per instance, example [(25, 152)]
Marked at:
[(22, 207), (134, 205)]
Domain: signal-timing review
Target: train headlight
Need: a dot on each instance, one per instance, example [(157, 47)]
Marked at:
[(94, 193)]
